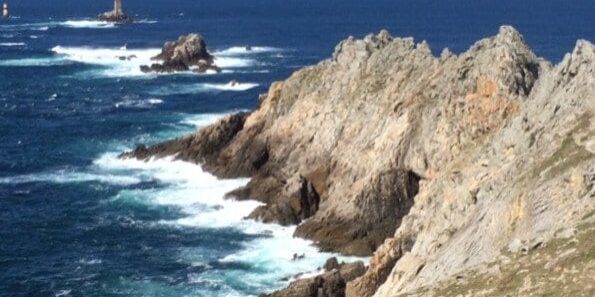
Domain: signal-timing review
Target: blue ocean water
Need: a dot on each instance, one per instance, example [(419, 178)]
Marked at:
[(77, 221)]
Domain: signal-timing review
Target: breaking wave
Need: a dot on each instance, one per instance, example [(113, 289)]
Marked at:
[(180, 89)]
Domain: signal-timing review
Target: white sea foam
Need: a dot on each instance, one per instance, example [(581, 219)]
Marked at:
[(69, 176), (45, 26), (202, 120), (233, 62), (178, 89), (145, 21), (200, 196), (10, 44), (231, 86), (242, 50), (93, 24), (63, 293), (118, 62), (35, 62), (144, 103)]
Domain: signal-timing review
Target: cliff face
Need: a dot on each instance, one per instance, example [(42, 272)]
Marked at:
[(437, 164)]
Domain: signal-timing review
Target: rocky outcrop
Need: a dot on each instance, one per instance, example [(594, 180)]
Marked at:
[(331, 283), (187, 53), (435, 163), (116, 15)]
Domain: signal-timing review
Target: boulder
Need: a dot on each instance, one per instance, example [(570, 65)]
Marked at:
[(329, 284)]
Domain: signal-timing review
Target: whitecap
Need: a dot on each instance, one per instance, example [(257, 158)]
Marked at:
[(62, 293), (179, 89), (233, 62), (238, 87), (91, 261), (119, 61), (69, 176), (122, 62), (146, 21), (12, 44), (35, 62), (92, 24), (242, 50), (202, 120), (200, 197), (145, 103)]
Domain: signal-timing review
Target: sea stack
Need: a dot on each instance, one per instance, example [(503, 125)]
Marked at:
[(187, 53), (116, 15)]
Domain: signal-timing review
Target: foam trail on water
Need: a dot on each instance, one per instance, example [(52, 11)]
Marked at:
[(242, 50), (233, 62), (35, 62), (144, 103), (73, 24), (203, 119), (123, 62), (178, 89), (200, 197), (64, 176), (93, 24), (119, 61), (11, 44)]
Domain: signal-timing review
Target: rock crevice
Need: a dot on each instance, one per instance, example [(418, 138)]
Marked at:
[(434, 163)]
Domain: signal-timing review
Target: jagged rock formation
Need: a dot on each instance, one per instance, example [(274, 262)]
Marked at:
[(437, 164), (188, 52), (116, 15), (328, 284)]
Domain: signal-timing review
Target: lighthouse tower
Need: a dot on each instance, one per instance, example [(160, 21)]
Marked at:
[(5, 10), (118, 7)]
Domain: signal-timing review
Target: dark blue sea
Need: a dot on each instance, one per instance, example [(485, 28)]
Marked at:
[(77, 221)]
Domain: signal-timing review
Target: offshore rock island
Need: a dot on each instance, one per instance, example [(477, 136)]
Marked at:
[(448, 170), (187, 53)]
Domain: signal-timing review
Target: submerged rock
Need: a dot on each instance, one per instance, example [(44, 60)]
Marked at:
[(187, 53), (116, 15)]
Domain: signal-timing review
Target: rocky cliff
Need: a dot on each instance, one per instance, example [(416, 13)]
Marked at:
[(434, 164)]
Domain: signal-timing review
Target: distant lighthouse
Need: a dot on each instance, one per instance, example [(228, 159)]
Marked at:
[(5, 10), (115, 16), (118, 7)]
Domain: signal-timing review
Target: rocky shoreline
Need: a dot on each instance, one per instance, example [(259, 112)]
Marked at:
[(430, 164)]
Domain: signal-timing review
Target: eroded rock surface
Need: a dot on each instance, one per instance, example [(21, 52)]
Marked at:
[(437, 164), (187, 53), (331, 283)]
